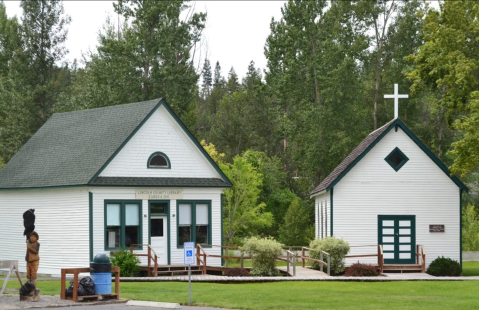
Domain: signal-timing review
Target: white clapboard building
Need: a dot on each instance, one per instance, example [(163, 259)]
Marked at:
[(392, 191), (106, 178)]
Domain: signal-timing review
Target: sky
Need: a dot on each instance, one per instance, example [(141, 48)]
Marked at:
[(235, 32)]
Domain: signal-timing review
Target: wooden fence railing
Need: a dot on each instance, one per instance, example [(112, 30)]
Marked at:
[(152, 258), (306, 257), (421, 257), (379, 254)]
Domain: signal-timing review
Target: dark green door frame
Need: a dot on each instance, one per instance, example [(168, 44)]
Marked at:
[(395, 236)]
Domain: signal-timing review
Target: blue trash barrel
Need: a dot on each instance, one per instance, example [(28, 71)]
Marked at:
[(102, 283)]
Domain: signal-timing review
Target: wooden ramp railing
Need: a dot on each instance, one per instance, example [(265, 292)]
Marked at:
[(379, 254), (290, 258), (320, 261), (421, 257), (152, 258)]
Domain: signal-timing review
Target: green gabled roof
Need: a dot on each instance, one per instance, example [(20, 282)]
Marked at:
[(72, 148), (366, 145)]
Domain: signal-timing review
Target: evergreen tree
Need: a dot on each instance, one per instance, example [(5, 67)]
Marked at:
[(294, 231), (207, 79), (217, 75), (44, 34), (232, 84), (150, 57), (31, 80)]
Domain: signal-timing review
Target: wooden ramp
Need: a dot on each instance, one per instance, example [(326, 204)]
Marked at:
[(304, 272)]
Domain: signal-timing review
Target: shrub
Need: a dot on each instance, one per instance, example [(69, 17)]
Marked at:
[(444, 267), (361, 270), (337, 249), (263, 253), (127, 262), (237, 272)]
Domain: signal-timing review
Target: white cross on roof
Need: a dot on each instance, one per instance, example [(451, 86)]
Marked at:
[(396, 97)]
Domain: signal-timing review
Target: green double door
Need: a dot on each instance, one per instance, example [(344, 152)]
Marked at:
[(397, 235)]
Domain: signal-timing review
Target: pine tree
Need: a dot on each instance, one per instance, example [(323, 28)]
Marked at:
[(217, 77), (207, 79), (44, 34)]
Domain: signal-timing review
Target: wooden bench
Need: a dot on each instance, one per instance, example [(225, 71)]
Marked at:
[(75, 272)]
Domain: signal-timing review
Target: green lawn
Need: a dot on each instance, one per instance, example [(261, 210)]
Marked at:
[(470, 269), (303, 295), (306, 295)]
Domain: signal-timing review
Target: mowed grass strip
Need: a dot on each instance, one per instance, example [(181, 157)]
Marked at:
[(303, 295), (470, 269)]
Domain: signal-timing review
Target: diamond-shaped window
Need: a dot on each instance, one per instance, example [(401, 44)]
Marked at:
[(396, 159)]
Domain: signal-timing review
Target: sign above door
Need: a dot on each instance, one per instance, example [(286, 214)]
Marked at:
[(150, 194)]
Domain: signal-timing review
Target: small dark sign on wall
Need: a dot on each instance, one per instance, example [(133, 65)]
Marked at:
[(436, 228)]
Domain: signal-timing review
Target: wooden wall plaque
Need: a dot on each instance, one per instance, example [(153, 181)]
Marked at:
[(437, 228)]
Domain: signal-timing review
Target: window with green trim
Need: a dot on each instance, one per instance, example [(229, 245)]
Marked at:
[(123, 225), (396, 159), (194, 222), (159, 160)]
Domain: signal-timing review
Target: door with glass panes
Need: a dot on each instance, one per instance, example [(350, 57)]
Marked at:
[(159, 230), (397, 235)]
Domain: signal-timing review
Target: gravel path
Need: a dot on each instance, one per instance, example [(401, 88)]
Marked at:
[(12, 301)]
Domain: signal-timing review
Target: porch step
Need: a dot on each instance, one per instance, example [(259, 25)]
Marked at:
[(402, 268)]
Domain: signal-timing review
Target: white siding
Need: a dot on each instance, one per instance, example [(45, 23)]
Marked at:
[(322, 215), (160, 133), (419, 188), (61, 222), (102, 194)]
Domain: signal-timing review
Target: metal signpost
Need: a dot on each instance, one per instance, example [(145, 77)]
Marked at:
[(189, 248)]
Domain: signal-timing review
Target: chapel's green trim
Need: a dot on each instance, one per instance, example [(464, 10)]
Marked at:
[(180, 123), (421, 145), (221, 215), (158, 167), (132, 134), (122, 204), (193, 204), (396, 219), (388, 159), (331, 212), (167, 214), (90, 223), (460, 227)]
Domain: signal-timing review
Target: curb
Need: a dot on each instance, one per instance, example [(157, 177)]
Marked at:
[(167, 305)]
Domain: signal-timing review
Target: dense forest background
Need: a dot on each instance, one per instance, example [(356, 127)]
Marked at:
[(275, 133)]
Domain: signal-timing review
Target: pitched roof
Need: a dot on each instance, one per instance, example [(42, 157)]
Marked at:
[(72, 148), (367, 144)]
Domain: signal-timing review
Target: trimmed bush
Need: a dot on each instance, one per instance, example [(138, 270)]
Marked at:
[(444, 267), (337, 249), (237, 272), (361, 270), (127, 262), (263, 253)]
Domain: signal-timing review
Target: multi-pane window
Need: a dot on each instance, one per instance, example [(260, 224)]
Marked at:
[(194, 222), (122, 224)]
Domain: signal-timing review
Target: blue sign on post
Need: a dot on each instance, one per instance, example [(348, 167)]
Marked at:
[(189, 248)]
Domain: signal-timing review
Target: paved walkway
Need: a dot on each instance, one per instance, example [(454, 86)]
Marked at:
[(302, 274)]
